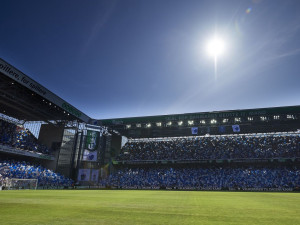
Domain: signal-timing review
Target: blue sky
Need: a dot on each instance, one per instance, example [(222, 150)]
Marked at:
[(125, 58)]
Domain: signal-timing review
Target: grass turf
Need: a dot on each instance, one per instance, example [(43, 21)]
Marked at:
[(147, 207)]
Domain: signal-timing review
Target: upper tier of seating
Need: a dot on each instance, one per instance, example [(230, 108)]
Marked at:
[(20, 138), (214, 147)]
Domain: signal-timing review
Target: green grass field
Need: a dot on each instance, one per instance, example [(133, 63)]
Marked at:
[(147, 207)]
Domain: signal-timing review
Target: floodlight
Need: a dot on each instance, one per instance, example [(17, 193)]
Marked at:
[(263, 118), (190, 122), (213, 121), (237, 119)]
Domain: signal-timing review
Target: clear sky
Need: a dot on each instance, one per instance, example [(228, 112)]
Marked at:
[(125, 58)]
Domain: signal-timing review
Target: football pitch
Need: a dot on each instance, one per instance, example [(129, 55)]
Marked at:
[(147, 207)]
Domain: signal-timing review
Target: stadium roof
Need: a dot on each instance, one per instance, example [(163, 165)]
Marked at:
[(275, 119), (203, 115), (25, 99)]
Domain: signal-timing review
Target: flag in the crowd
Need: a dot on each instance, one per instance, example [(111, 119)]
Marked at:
[(202, 130), (194, 130), (84, 175), (95, 175), (207, 130), (104, 170), (89, 155), (222, 129), (236, 128)]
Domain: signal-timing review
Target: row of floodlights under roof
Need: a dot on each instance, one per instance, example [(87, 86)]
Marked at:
[(44, 102), (54, 106), (212, 121)]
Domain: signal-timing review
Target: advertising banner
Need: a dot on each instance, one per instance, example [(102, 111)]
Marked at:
[(92, 140)]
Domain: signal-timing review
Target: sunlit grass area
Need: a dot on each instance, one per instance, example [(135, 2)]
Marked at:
[(147, 207)]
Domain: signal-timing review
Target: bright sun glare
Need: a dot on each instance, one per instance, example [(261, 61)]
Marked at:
[(215, 47)]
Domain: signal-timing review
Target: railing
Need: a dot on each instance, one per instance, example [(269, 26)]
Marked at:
[(206, 161), (16, 151)]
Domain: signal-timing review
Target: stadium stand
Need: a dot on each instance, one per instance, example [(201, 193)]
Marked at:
[(207, 163), (20, 138), (251, 149), (262, 146), (38, 127), (24, 170), (219, 150), (209, 178)]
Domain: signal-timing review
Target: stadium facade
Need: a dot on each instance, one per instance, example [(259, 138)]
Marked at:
[(39, 127)]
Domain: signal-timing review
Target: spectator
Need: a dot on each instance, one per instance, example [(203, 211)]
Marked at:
[(24, 170), (214, 147), (206, 178), (20, 138)]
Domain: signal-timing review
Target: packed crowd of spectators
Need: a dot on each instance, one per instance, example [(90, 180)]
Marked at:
[(214, 147), (24, 170), (20, 138), (1, 181), (205, 178)]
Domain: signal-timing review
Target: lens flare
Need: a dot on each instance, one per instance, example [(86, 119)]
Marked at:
[(215, 48)]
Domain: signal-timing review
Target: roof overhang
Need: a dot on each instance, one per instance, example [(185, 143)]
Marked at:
[(23, 98)]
